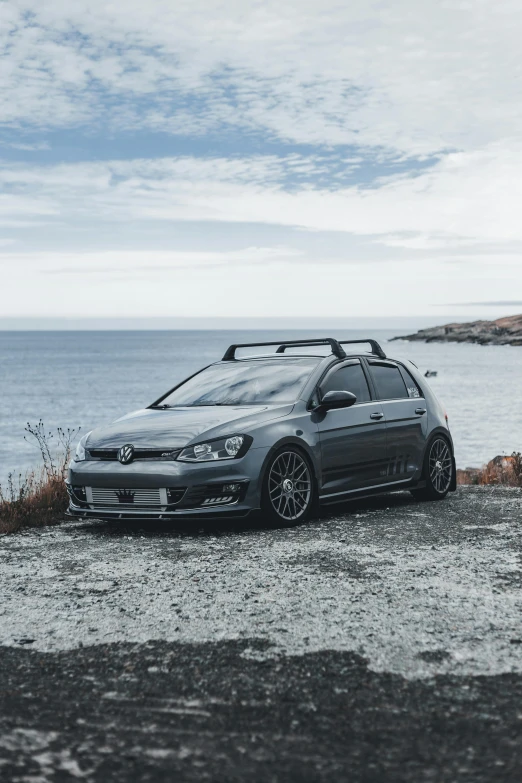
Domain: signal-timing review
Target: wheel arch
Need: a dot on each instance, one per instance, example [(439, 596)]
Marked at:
[(439, 430), (299, 444)]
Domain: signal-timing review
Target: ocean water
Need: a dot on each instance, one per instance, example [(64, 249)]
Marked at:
[(83, 379)]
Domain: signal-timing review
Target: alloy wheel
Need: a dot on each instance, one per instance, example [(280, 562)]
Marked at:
[(290, 486), (440, 466)]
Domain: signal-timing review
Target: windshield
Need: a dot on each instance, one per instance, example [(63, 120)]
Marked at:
[(260, 382)]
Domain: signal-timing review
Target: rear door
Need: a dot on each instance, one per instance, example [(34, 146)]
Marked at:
[(406, 417), (353, 440)]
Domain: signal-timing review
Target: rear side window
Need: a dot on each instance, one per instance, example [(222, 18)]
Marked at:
[(411, 384), (388, 381), (350, 378)]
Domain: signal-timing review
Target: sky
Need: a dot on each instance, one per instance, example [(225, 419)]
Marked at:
[(229, 158)]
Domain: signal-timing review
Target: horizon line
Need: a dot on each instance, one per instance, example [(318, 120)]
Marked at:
[(231, 323)]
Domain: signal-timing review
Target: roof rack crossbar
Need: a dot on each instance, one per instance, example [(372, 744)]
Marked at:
[(230, 353), (376, 348), (334, 344)]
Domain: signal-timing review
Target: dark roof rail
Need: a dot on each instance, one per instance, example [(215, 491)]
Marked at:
[(374, 345), (334, 345), (230, 353)]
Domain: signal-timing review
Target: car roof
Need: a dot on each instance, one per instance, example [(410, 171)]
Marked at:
[(293, 356), (283, 357)]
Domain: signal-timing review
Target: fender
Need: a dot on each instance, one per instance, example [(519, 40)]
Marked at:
[(440, 430), (290, 441)]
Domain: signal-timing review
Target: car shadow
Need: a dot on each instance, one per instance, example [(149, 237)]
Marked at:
[(253, 524)]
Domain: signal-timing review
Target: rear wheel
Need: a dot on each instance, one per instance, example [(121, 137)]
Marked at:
[(437, 472), (288, 488)]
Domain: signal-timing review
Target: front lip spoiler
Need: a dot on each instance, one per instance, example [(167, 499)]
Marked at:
[(154, 516)]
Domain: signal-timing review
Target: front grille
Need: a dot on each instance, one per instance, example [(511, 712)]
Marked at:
[(127, 497), (105, 454), (139, 454), (164, 500)]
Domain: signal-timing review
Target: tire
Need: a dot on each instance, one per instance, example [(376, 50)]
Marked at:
[(289, 488), (437, 471)]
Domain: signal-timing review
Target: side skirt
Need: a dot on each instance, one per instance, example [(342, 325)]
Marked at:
[(380, 489)]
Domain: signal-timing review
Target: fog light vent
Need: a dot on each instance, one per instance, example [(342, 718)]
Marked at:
[(175, 495), (80, 493), (233, 488), (218, 500)]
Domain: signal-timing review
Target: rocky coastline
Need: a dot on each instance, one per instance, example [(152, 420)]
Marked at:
[(503, 331)]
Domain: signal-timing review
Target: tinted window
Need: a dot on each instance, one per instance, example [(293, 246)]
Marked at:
[(245, 383), (388, 381), (349, 378), (411, 384)]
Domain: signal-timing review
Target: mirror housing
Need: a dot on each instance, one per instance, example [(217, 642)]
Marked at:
[(337, 399)]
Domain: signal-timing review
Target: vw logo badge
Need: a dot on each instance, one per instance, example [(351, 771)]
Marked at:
[(125, 454)]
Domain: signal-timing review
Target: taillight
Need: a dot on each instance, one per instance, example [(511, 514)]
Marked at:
[(447, 419)]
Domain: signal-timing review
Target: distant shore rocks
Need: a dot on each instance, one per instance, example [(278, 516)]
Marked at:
[(500, 470), (504, 331)]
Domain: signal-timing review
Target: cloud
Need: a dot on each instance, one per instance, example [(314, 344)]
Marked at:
[(14, 206), (384, 75), (506, 303), (38, 147), (260, 282), (383, 131), (137, 263), (466, 202)]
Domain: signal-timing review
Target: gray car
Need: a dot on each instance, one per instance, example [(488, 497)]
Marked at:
[(281, 432)]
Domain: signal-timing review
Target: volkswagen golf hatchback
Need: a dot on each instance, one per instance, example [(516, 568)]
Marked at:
[(279, 432)]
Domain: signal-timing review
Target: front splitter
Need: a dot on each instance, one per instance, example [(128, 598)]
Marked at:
[(141, 516)]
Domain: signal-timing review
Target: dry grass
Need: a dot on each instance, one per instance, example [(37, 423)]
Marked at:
[(40, 497), (505, 471)]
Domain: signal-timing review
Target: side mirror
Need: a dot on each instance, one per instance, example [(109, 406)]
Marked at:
[(337, 399)]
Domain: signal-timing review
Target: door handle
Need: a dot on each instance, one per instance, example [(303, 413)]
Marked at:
[(420, 411), (376, 415)]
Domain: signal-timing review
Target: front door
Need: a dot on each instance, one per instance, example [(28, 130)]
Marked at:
[(406, 418), (353, 440)]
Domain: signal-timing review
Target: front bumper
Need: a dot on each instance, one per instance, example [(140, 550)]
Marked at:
[(109, 490)]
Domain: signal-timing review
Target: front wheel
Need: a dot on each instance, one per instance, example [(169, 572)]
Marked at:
[(288, 488), (438, 471)]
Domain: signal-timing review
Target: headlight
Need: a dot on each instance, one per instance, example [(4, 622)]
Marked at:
[(224, 448), (80, 455)]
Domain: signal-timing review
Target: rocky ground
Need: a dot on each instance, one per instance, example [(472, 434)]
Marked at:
[(503, 331), (381, 642)]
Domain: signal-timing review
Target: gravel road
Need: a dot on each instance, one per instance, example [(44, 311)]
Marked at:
[(381, 642)]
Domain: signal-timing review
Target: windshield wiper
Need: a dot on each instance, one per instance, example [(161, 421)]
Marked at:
[(204, 404), (200, 405), (188, 405)]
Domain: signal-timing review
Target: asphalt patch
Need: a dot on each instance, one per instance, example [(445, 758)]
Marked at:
[(165, 711)]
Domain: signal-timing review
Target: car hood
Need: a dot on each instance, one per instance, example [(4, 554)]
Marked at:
[(177, 427)]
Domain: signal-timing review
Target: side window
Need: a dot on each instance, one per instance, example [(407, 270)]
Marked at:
[(388, 381), (350, 378), (411, 384)]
